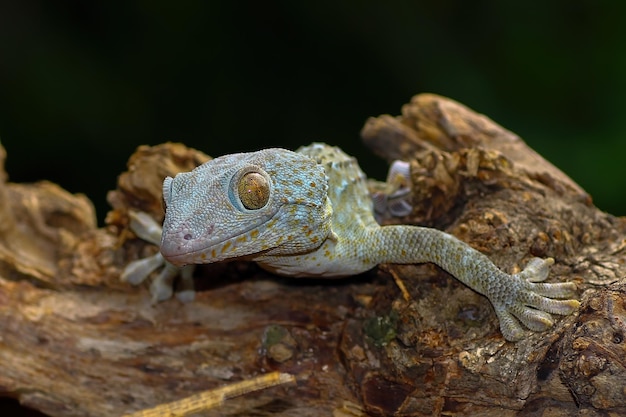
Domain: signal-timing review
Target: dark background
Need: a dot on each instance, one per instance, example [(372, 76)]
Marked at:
[(83, 83)]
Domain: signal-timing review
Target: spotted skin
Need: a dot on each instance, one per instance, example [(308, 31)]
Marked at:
[(309, 213)]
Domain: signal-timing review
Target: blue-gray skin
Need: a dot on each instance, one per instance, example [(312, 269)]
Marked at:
[(309, 213)]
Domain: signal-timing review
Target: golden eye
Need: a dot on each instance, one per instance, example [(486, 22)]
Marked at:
[(254, 191)]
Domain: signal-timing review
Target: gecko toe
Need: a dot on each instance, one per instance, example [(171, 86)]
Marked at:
[(186, 296), (555, 290), (537, 269), (510, 327), (145, 227), (535, 320), (562, 307), (137, 271), (162, 286), (186, 292)]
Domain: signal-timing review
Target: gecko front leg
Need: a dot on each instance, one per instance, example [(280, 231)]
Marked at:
[(517, 299), (136, 272)]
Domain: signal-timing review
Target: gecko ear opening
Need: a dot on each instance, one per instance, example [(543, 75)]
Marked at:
[(167, 187)]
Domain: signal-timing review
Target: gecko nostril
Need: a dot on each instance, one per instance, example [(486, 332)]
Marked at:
[(188, 236)]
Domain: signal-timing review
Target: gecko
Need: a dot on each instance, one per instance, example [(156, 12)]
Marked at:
[(309, 213)]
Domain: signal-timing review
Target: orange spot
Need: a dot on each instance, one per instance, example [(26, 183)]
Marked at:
[(213, 254), (313, 184), (225, 247), (254, 234)]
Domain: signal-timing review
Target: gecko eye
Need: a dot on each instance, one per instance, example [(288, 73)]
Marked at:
[(254, 190)]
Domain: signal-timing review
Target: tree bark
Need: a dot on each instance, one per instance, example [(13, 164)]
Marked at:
[(76, 341)]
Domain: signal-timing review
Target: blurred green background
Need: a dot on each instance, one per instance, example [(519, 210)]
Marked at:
[(83, 83)]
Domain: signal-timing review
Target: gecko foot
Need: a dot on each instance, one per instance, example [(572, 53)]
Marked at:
[(530, 302), (136, 272), (393, 197)]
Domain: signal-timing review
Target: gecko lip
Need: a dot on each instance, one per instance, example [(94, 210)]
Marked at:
[(173, 252), (176, 254), (180, 254), (180, 246)]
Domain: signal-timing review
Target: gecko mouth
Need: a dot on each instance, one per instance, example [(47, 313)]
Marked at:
[(181, 246)]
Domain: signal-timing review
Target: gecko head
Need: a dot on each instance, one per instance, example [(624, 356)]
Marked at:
[(272, 201)]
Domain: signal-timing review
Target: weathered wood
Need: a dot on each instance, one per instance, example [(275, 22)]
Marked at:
[(75, 341)]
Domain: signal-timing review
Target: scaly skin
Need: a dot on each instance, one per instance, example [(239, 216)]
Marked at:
[(309, 213)]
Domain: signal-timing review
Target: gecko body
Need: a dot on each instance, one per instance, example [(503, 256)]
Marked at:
[(315, 220), (309, 213)]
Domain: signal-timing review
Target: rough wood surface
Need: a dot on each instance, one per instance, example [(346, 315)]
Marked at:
[(75, 341)]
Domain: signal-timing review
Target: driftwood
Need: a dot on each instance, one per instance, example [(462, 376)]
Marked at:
[(75, 341)]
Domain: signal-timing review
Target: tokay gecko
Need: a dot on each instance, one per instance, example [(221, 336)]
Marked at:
[(309, 213)]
